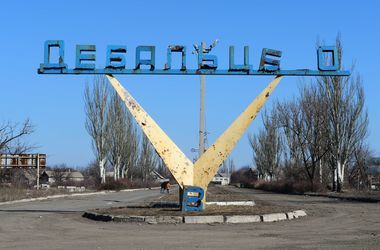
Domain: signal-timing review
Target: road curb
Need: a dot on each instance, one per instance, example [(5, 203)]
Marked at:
[(231, 203), (72, 195), (201, 219)]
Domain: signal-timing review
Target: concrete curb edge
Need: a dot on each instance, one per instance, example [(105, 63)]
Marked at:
[(201, 219)]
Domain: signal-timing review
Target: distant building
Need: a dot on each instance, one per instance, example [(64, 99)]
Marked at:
[(221, 179), (373, 171), (47, 177)]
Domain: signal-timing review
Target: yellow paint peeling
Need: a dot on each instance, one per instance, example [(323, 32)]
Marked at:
[(201, 173), (179, 165)]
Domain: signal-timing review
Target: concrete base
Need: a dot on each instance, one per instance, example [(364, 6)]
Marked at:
[(203, 219), (163, 219), (243, 219), (231, 203), (274, 217), (291, 215), (129, 218), (299, 213)]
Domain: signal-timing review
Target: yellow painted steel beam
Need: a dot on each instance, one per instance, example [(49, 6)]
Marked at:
[(179, 165), (201, 173), (208, 164)]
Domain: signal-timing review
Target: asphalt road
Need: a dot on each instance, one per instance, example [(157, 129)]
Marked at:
[(57, 224)]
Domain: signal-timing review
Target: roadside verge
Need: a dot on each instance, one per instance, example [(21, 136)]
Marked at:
[(72, 195)]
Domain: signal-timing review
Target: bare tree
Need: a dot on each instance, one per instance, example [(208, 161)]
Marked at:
[(11, 135), (59, 174), (130, 154), (148, 159), (224, 167), (231, 166), (228, 166), (96, 103), (347, 118), (267, 147), (288, 118), (358, 172), (304, 122), (163, 170), (117, 133)]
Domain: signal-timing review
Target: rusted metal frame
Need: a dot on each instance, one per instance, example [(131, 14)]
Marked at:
[(321, 52), (22, 160), (151, 62), (81, 58), (269, 64), (239, 67), (115, 58), (176, 48), (299, 72)]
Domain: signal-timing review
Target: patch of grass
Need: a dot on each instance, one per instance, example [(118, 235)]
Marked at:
[(10, 193), (288, 187), (125, 183)]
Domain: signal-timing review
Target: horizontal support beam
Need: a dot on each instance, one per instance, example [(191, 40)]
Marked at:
[(298, 72)]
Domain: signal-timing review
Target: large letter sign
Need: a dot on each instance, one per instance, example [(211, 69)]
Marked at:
[(116, 59)]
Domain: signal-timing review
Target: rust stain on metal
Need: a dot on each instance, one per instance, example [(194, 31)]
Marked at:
[(179, 165)]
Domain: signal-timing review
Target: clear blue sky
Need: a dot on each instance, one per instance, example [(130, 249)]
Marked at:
[(55, 104)]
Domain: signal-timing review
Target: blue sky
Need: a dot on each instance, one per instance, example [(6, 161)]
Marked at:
[(55, 104)]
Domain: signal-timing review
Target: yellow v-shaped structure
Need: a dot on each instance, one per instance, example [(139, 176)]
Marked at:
[(203, 170)]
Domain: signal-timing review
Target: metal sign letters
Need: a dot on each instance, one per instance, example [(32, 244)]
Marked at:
[(116, 62)]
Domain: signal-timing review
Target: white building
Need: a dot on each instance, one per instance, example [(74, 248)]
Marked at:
[(221, 179)]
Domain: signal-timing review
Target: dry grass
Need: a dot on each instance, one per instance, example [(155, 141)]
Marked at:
[(10, 194), (214, 193)]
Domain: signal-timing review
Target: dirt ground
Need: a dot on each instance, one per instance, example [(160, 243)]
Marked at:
[(214, 193), (57, 224)]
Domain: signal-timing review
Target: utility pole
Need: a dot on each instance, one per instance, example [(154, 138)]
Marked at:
[(202, 112), (38, 171), (202, 117), (202, 132)]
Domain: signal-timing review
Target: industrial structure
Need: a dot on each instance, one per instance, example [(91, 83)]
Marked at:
[(22, 160)]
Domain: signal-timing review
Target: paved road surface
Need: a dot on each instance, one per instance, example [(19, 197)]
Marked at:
[(57, 224)]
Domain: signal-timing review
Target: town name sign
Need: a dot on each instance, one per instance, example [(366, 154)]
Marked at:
[(193, 178), (115, 61)]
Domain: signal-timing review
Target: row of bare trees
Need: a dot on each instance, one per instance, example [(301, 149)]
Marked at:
[(319, 134), (115, 138), (13, 141), (12, 137), (228, 166)]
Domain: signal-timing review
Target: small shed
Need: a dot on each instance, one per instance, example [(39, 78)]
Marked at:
[(221, 179)]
